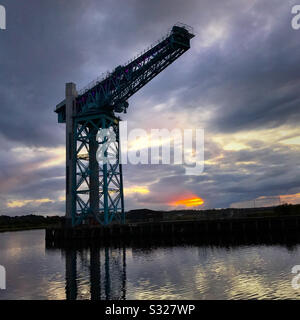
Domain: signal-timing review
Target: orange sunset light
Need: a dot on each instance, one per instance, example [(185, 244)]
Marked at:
[(193, 202)]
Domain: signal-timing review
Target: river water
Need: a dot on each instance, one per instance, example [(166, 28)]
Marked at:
[(162, 272)]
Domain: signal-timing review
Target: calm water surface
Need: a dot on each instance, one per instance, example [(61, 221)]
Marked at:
[(181, 272)]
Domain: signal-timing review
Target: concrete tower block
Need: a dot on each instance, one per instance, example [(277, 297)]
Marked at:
[(71, 95)]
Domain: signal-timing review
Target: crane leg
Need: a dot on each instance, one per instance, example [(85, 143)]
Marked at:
[(97, 187)]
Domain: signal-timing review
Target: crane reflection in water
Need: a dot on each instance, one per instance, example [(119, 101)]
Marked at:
[(95, 273)]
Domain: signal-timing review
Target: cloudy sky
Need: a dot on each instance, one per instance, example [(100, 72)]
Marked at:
[(239, 82)]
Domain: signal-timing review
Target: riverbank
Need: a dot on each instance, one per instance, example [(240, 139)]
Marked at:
[(13, 229), (29, 222)]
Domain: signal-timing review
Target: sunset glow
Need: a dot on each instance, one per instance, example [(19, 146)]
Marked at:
[(193, 202), (22, 203), (136, 189)]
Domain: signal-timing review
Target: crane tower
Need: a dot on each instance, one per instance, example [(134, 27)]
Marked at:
[(94, 189)]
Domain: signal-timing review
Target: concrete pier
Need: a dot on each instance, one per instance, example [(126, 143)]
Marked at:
[(160, 230)]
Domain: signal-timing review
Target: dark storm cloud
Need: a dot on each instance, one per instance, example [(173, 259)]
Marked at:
[(252, 78), (40, 37), (250, 74), (48, 43)]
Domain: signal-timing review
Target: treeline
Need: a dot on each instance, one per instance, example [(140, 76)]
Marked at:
[(151, 215), (27, 222), (8, 223)]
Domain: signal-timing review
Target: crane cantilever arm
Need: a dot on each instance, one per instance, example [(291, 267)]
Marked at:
[(113, 92)]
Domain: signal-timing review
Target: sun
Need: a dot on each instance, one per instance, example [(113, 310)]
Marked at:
[(188, 202)]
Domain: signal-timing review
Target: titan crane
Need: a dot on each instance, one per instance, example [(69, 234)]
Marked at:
[(94, 189)]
